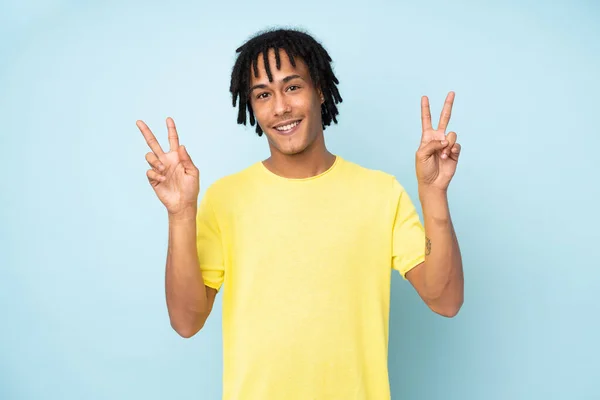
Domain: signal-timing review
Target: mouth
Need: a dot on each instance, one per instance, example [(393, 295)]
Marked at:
[(288, 128)]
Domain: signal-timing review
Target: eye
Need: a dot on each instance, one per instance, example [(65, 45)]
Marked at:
[(293, 87), (262, 95)]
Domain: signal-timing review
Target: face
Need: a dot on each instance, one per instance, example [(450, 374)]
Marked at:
[(288, 109)]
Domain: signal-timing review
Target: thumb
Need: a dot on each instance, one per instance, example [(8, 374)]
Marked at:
[(431, 147), (185, 159)]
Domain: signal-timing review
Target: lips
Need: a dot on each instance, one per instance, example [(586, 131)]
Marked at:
[(288, 127)]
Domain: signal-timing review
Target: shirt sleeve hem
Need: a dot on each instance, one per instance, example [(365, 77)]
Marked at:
[(410, 265)]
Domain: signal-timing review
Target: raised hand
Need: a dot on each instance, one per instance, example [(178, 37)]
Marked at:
[(437, 156), (173, 176)]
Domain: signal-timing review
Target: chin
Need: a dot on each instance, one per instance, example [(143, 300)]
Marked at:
[(291, 150), (288, 146)]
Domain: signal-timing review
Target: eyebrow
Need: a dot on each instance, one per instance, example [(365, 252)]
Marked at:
[(284, 80)]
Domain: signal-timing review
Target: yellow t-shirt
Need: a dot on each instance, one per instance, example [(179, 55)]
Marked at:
[(305, 266)]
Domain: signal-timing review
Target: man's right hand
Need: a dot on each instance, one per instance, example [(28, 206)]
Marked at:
[(173, 176)]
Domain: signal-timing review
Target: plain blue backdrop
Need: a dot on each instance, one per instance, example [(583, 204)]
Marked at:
[(83, 237)]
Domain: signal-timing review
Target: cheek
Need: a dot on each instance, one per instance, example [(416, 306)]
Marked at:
[(307, 105), (260, 114), (316, 111)]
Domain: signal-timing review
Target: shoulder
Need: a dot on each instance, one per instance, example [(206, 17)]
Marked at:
[(232, 183), (225, 193), (372, 178)]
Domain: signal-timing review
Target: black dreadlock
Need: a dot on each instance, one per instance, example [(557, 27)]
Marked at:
[(296, 44)]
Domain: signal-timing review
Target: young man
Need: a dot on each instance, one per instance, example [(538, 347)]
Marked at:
[(304, 242)]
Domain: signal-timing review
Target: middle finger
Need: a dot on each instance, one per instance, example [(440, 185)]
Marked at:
[(446, 112)]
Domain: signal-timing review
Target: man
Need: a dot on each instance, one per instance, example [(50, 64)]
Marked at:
[(304, 242)]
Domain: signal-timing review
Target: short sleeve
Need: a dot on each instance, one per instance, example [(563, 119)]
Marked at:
[(209, 244), (408, 234)]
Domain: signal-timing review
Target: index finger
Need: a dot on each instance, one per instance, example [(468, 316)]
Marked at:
[(150, 139), (446, 112), (425, 114)]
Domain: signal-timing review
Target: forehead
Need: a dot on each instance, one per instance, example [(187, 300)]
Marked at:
[(285, 68)]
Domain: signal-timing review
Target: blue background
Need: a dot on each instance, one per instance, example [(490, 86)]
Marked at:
[(83, 237)]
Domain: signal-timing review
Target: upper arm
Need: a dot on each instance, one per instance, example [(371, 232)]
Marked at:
[(416, 279), (211, 295), (408, 233), (209, 246)]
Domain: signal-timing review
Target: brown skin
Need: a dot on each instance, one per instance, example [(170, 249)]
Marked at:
[(290, 96), (293, 96), (439, 280), (175, 180)]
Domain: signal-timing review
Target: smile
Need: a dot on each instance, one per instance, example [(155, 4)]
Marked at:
[(288, 128)]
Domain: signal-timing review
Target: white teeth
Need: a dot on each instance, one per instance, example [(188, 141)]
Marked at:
[(287, 127)]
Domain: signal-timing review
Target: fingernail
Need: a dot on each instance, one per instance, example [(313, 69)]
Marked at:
[(444, 142)]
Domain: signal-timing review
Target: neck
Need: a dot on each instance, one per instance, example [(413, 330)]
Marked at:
[(314, 160)]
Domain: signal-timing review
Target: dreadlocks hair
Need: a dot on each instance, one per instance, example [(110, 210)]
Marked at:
[(296, 44)]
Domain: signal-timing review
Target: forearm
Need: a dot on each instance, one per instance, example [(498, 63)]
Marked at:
[(443, 272), (185, 290)]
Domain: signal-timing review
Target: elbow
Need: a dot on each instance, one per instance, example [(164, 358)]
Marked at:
[(187, 330), (448, 310), (185, 333)]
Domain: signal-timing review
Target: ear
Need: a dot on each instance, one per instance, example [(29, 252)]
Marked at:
[(321, 95)]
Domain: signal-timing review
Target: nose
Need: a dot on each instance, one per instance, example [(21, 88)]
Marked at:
[(281, 105)]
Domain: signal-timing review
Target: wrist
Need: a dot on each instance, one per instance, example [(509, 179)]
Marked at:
[(186, 214), (427, 192), (434, 203)]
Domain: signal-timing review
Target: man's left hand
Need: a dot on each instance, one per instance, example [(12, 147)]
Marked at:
[(438, 153)]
